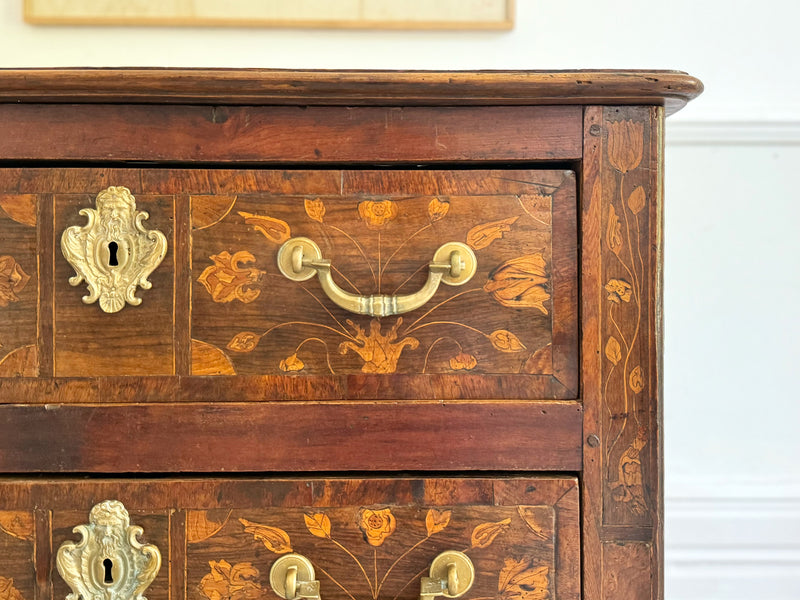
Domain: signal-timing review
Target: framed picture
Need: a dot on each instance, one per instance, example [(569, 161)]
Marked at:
[(364, 14)]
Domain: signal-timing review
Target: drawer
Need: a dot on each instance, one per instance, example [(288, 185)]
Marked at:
[(221, 319), (366, 538)]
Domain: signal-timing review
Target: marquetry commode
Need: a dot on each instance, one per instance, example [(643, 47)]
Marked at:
[(351, 335)]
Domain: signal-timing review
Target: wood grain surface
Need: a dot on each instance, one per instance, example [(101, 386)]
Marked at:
[(369, 538), (292, 436), (351, 88), (288, 134)]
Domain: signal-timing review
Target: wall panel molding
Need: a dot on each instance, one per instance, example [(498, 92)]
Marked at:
[(734, 132)]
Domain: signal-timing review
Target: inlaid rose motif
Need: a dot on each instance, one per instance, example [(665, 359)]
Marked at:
[(376, 525), (377, 213)]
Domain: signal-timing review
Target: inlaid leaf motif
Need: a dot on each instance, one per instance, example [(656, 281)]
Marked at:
[(619, 290), (436, 520), (7, 589), (463, 361), (291, 363), (12, 280), (637, 200), (226, 582), (20, 207), (481, 236), (244, 341), (315, 209), (613, 350), (519, 580), (625, 144), (376, 525), (437, 209), (636, 380), (274, 230), (274, 538), (483, 535), (18, 524), (318, 524), (519, 282), (207, 359), (377, 213), (613, 231), (505, 341)]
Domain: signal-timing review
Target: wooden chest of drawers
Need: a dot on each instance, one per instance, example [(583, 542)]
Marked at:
[(365, 318)]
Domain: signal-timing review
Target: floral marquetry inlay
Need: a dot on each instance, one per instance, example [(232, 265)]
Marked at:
[(373, 552), (379, 245)]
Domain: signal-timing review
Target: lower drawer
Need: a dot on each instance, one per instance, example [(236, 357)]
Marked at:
[(218, 539)]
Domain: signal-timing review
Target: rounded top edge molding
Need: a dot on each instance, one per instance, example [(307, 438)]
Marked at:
[(672, 89)]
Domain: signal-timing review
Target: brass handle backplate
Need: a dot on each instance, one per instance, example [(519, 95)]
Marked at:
[(451, 575), (453, 263), (113, 253), (109, 562), (292, 577)]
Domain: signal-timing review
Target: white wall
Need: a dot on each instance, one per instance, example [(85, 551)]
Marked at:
[(732, 280)]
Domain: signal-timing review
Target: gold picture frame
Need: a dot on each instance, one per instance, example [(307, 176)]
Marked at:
[(353, 14)]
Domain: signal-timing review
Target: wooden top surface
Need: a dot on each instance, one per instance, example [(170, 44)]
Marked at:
[(673, 89)]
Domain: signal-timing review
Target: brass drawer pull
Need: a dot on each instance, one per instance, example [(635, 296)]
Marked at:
[(451, 575), (109, 561), (292, 577), (453, 263), (113, 252)]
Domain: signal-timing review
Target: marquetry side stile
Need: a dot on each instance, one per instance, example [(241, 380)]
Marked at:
[(621, 270)]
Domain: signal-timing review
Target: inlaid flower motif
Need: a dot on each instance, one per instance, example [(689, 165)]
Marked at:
[(483, 235), (636, 380), (619, 290), (519, 580), (625, 144), (292, 363), (437, 209), (379, 352), (376, 525), (436, 520), (377, 213), (7, 589), (463, 362), (226, 582), (628, 488), (12, 280), (520, 283), (505, 341), (315, 209), (227, 280), (245, 341)]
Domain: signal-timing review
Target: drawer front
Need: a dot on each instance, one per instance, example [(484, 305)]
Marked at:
[(371, 538), (219, 305)]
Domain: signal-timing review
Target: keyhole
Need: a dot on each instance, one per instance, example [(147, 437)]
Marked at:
[(107, 564), (112, 255)]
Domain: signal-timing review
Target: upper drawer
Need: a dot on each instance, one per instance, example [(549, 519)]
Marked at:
[(220, 306)]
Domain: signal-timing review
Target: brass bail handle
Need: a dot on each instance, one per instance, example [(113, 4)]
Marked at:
[(454, 263), (292, 577), (451, 575)]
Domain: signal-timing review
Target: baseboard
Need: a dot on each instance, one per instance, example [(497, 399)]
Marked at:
[(751, 133), (734, 547)]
